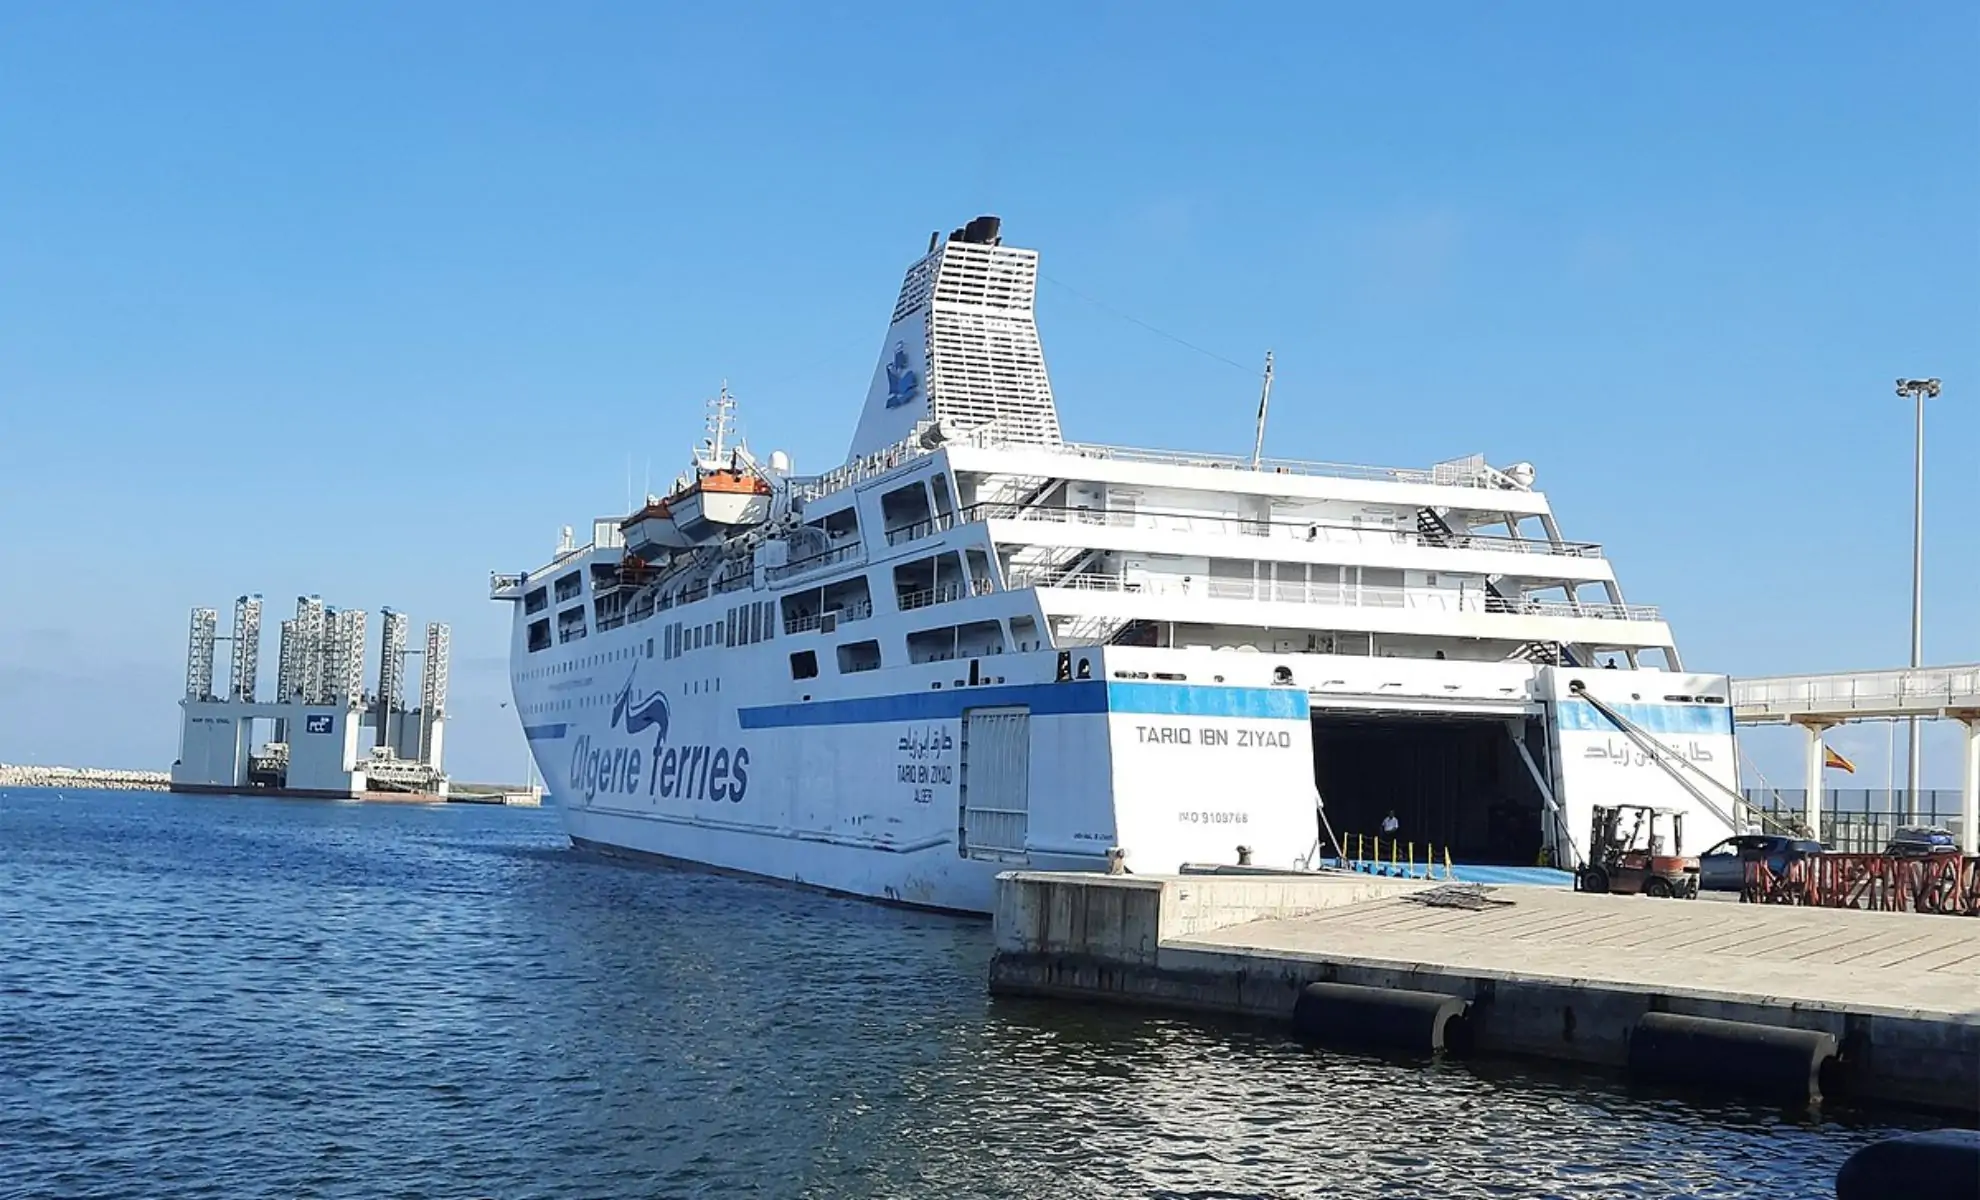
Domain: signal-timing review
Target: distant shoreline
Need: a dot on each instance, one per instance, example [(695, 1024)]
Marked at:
[(17, 775), (112, 779)]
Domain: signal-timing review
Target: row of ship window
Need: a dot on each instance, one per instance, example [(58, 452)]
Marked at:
[(573, 703), (588, 661)]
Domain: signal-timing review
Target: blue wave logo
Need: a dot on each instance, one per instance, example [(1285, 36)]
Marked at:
[(645, 712), (903, 383), (698, 771)]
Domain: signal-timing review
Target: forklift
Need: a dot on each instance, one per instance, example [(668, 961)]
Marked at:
[(1628, 854)]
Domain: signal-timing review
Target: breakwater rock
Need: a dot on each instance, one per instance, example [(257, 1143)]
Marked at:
[(16, 775)]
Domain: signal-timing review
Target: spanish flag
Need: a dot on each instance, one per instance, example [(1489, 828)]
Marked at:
[(1831, 759)]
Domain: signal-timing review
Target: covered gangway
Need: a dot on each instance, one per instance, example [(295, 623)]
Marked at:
[(1817, 702)]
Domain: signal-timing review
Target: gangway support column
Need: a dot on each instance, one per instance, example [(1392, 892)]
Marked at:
[(1969, 787), (1817, 760)]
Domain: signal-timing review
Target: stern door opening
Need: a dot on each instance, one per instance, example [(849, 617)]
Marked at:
[(1455, 783)]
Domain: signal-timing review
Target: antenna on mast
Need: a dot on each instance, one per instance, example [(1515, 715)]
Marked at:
[(1264, 401), (721, 413)]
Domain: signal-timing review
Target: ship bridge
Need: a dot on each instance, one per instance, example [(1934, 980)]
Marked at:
[(1818, 702)]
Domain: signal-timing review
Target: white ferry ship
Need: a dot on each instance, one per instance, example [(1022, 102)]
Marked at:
[(976, 646)]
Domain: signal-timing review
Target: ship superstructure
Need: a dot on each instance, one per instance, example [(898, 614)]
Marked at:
[(976, 645)]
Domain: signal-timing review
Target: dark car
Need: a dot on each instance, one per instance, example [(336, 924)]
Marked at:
[(1914, 841), (1723, 867)]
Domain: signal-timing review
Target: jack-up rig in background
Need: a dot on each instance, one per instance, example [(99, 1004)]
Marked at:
[(306, 740)]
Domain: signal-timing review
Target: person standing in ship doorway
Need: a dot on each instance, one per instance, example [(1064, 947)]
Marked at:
[(1389, 823)]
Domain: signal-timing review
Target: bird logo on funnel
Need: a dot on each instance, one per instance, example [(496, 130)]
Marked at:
[(642, 713), (903, 381)]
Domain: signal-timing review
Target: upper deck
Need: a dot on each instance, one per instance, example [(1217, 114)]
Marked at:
[(960, 495)]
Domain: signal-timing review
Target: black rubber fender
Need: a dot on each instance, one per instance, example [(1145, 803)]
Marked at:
[(1759, 1060), (1351, 1016), (1943, 1164)]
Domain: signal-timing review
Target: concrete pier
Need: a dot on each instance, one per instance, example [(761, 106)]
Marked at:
[(1553, 974)]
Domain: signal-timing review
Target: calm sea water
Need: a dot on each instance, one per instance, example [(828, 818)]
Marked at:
[(217, 997)]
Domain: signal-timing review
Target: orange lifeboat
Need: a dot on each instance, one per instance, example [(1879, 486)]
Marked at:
[(653, 529), (719, 502)]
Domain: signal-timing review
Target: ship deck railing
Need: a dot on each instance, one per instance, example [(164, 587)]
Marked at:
[(1464, 472), (1294, 530), (943, 594), (1340, 596), (824, 558), (808, 621), (1471, 472)]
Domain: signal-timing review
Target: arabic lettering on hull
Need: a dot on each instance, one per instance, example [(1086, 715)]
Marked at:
[(1622, 753)]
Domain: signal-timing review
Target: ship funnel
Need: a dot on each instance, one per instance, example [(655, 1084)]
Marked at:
[(963, 348)]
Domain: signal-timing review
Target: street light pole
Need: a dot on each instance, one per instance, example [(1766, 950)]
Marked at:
[(1918, 390)]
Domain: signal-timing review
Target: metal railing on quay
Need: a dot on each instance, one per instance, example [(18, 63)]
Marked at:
[(1389, 856), (1945, 884), (1861, 820)]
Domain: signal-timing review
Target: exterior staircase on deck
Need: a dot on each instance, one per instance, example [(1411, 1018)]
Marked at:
[(1089, 630), (1021, 492), (1433, 530), (1048, 566), (1550, 654)]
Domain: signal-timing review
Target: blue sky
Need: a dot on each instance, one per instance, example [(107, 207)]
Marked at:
[(367, 300)]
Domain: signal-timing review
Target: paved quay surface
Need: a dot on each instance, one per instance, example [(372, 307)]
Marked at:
[(1896, 963), (1552, 974)]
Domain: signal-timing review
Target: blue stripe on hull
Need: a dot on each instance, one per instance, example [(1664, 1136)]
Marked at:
[(1656, 718), (1048, 699), (1084, 697), (1188, 700)]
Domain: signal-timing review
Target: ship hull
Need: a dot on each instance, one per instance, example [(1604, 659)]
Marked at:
[(917, 788)]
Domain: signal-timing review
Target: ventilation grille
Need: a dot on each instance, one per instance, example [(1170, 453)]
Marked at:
[(985, 363)]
